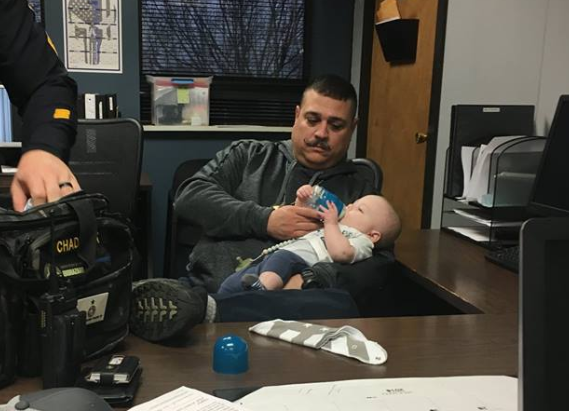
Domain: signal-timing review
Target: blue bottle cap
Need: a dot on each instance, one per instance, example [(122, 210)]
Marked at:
[(230, 355)]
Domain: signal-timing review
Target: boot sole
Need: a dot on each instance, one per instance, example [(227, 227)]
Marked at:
[(160, 310)]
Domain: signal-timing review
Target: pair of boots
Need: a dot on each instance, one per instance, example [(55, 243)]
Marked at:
[(162, 308)]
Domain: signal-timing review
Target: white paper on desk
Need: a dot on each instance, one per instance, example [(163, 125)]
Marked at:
[(478, 185), (472, 393), (187, 399), (478, 218), (478, 234), (468, 157)]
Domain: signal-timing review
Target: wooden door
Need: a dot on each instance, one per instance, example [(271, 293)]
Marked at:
[(400, 98)]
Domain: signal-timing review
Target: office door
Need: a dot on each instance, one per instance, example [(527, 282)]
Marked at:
[(398, 124)]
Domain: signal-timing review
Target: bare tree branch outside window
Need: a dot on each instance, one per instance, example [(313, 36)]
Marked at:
[(248, 38), (36, 6)]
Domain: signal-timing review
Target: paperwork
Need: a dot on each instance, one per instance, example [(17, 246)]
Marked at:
[(478, 234), (187, 399), (473, 393), (482, 218), (501, 173), (468, 156), (478, 184)]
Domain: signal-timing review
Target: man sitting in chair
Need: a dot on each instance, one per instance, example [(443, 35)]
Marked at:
[(243, 200)]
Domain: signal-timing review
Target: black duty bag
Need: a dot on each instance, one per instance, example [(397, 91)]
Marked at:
[(92, 252)]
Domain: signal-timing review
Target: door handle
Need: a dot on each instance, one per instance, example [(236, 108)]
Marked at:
[(420, 138)]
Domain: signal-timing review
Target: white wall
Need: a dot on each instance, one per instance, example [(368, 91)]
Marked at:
[(555, 67), (501, 52)]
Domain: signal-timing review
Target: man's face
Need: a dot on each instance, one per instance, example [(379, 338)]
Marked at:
[(322, 130)]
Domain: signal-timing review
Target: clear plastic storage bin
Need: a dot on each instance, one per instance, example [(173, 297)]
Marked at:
[(180, 100)]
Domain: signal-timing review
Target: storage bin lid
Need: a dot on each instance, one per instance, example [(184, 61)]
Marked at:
[(179, 81)]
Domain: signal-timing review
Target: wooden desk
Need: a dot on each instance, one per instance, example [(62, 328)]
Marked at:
[(456, 271), (427, 346), (417, 347)]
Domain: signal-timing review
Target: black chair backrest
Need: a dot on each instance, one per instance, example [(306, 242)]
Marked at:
[(367, 169), (179, 234), (371, 171), (186, 170), (106, 159)]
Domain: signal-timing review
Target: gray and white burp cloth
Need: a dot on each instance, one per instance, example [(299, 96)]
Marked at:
[(346, 340)]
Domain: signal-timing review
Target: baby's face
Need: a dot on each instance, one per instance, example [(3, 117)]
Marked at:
[(365, 214)]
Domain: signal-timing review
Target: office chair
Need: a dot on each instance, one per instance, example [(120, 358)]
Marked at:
[(179, 235), (370, 171), (106, 159), (182, 236)]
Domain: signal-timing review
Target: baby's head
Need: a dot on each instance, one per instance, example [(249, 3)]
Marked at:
[(374, 216)]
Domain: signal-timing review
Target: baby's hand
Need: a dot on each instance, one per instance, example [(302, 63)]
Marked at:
[(303, 194), (329, 214)]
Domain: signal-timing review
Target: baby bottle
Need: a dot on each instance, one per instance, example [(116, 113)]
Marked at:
[(321, 196)]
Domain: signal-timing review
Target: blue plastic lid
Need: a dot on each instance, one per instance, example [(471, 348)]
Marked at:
[(230, 355)]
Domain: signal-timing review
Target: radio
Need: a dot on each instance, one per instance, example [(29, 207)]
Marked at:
[(62, 331)]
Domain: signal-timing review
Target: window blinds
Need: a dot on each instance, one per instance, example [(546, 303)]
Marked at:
[(242, 38)]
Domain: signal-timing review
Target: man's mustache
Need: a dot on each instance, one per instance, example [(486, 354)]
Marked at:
[(323, 144)]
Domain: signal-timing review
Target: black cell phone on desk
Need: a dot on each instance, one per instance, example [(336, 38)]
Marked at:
[(114, 378), (114, 369)]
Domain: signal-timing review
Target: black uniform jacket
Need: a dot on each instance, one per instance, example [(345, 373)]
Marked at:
[(36, 81)]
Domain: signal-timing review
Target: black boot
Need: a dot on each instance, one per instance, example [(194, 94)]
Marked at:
[(162, 308)]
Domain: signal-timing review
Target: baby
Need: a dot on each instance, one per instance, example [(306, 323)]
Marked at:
[(368, 222)]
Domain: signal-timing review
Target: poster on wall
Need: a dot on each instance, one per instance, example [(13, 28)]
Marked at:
[(92, 33)]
